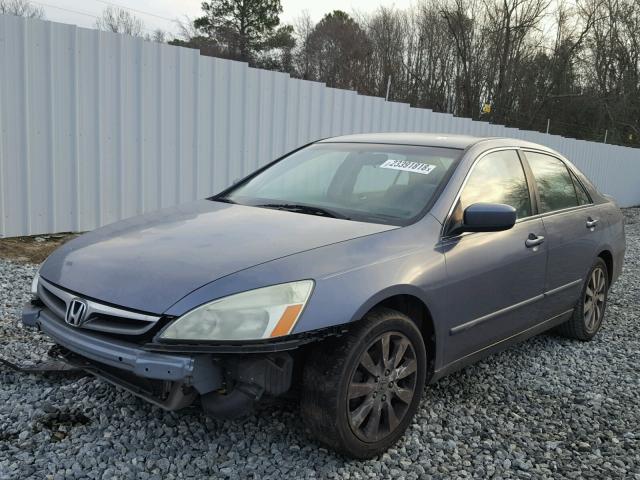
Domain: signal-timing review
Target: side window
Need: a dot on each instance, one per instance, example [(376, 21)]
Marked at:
[(554, 183), (583, 196), (498, 178)]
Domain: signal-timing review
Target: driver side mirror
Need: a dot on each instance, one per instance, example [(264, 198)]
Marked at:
[(488, 217)]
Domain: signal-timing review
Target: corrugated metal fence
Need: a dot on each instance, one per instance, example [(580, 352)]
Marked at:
[(95, 127)]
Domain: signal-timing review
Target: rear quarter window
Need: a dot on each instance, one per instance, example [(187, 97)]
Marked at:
[(583, 196)]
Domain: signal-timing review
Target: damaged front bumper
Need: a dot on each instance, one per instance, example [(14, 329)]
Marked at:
[(227, 384)]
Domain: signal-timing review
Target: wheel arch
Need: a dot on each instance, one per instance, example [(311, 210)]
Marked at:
[(607, 256), (410, 301)]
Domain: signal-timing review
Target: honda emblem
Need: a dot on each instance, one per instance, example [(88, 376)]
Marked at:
[(76, 311)]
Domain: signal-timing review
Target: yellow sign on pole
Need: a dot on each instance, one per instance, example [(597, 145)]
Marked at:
[(486, 108)]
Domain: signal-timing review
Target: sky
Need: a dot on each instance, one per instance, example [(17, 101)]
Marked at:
[(162, 13)]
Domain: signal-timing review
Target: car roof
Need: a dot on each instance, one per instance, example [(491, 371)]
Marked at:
[(427, 139)]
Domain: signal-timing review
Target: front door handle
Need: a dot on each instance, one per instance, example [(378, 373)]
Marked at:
[(591, 223), (533, 240)]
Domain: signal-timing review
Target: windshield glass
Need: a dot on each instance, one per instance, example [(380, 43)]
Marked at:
[(364, 182)]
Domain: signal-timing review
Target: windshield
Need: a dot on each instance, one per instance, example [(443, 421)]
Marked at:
[(365, 182)]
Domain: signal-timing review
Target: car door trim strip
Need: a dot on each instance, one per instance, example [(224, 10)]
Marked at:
[(489, 316), (477, 321), (559, 289)]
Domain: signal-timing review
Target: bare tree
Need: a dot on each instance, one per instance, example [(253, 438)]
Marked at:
[(119, 20), (387, 30), (158, 36), (556, 73), (186, 28), (21, 8), (612, 67), (430, 59), (465, 23), (510, 24), (303, 28)]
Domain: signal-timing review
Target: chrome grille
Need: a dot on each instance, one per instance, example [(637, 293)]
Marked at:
[(99, 317)]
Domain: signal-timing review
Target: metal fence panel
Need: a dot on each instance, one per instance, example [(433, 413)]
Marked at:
[(96, 127)]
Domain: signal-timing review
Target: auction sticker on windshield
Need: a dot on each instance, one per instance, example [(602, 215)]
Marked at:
[(406, 166)]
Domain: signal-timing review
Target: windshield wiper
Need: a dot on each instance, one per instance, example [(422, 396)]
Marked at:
[(306, 209)]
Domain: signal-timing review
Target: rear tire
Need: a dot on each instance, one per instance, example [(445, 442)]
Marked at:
[(361, 390), (589, 311)]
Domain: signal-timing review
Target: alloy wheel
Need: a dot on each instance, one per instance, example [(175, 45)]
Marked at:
[(382, 387), (594, 299)]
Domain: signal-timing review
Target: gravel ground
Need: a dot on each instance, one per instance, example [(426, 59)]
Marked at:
[(548, 408)]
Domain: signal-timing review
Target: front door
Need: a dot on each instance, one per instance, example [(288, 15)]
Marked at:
[(495, 279)]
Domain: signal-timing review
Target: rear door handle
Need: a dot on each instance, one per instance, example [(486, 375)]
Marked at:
[(533, 240), (591, 223)]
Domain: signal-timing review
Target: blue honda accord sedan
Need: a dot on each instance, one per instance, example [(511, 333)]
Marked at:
[(348, 273)]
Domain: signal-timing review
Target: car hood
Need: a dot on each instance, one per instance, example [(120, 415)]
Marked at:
[(149, 262)]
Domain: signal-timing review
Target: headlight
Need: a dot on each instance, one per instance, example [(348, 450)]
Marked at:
[(262, 313), (34, 285)]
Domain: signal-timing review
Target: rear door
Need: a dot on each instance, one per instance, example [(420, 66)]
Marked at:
[(495, 279), (572, 223)]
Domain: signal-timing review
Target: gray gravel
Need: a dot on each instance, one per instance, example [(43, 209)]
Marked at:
[(549, 408)]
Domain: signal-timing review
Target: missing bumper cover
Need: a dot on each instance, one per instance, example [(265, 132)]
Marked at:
[(165, 394), (227, 383)]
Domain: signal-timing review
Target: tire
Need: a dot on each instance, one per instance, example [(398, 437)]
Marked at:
[(587, 320), (333, 372)]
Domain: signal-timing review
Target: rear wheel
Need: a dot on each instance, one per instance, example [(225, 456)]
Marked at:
[(361, 390), (589, 312)]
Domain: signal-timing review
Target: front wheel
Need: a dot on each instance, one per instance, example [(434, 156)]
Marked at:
[(361, 390), (589, 312)]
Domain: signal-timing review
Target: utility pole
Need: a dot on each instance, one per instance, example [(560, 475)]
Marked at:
[(548, 123), (388, 88), (605, 135)]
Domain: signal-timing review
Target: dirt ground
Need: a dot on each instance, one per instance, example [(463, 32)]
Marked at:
[(32, 249)]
